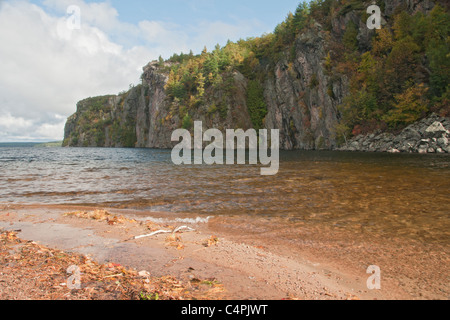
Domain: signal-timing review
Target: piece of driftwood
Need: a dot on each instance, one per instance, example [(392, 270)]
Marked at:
[(188, 229)]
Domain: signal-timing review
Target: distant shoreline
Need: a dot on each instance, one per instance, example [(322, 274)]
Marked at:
[(52, 144)]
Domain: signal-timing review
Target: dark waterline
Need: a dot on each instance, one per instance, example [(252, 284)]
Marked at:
[(402, 194)]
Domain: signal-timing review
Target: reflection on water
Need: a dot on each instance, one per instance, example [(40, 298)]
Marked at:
[(399, 194)]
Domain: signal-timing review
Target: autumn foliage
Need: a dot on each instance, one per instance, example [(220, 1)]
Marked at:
[(404, 75), (397, 77)]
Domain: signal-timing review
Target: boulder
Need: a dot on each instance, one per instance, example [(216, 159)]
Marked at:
[(407, 146), (355, 145), (424, 143), (410, 134), (436, 130), (442, 142)]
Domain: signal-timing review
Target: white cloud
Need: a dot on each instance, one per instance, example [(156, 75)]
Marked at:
[(47, 131), (46, 67), (8, 122), (16, 129), (96, 14)]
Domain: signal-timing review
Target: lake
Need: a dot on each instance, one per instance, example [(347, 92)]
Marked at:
[(403, 195)]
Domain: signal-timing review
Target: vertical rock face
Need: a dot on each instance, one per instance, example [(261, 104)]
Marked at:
[(158, 117), (151, 131), (299, 96)]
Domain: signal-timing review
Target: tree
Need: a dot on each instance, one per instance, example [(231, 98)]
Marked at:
[(256, 104), (402, 25), (200, 85), (160, 61), (440, 67), (438, 49), (383, 43), (401, 64), (187, 122), (409, 106), (350, 39), (211, 66), (300, 17), (370, 73)]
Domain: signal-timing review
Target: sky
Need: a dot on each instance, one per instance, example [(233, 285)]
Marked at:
[(52, 57)]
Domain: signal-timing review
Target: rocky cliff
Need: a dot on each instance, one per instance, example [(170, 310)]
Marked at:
[(144, 117), (304, 113), (300, 88)]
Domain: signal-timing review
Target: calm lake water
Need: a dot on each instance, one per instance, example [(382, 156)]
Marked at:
[(401, 194)]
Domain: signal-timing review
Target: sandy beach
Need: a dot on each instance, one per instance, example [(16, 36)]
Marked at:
[(246, 266)]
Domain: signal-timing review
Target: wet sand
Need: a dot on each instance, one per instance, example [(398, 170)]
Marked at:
[(253, 258)]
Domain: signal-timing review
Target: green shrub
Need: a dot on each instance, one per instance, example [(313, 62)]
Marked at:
[(187, 122), (256, 104)]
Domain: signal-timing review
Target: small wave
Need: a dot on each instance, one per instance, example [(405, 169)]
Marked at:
[(197, 220)]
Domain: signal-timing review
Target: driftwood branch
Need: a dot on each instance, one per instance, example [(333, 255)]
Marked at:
[(188, 229)]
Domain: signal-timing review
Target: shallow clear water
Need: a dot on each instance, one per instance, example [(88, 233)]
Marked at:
[(395, 194)]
